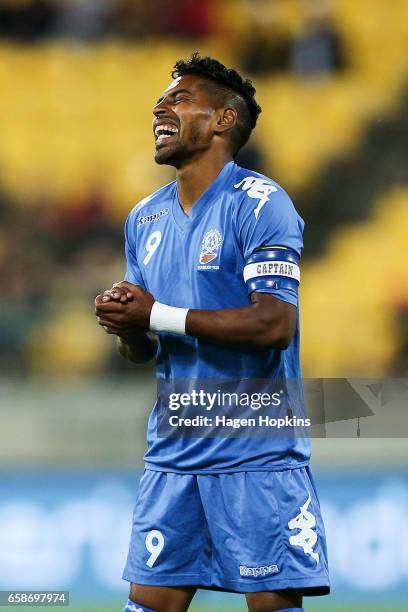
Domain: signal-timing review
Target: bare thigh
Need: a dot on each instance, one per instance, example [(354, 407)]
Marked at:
[(273, 601), (162, 599)]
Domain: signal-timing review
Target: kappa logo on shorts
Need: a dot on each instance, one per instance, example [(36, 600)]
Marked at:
[(210, 247), (256, 572), (307, 536)]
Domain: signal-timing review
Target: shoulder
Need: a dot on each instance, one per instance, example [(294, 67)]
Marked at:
[(249, 178), (156, 203), (253, 190)]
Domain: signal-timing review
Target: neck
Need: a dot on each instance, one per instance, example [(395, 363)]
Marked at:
[(194, 177)]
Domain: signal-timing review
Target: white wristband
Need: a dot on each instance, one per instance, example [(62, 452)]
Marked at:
[(168, 319)]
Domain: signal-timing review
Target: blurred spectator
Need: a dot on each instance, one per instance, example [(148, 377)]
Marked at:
[(267, 46), (317, 50), (182, 18), (400, 365), (88, 20), (83, 222), (251, 157), (27, 21), (51, 254), (133, 18), (191, 18)]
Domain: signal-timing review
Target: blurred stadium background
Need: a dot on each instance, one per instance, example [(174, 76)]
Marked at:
[(78, 79)]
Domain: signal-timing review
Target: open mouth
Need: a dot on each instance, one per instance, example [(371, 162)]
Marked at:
[(164, 132)]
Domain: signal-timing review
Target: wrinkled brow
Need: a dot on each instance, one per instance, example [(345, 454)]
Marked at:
[(173, 94)]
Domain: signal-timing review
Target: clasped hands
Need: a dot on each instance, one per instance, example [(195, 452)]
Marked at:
[(124, 309)]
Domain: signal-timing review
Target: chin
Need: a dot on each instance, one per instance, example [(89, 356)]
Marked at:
[(162, 159), (166, 155)]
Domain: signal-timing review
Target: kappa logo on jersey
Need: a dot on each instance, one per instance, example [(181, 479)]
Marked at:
[(210, 246), (132, 608), (154, 217), (257, 188), (307, 536)]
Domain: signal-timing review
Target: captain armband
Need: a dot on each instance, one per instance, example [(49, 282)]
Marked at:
[(272, 267)]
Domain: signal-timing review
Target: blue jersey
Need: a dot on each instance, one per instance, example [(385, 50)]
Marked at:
[(213, 259)]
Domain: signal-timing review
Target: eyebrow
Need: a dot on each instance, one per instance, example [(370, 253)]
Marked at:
[(173, 94)]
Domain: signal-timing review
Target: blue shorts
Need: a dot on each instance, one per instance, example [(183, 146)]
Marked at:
[(242, 532)]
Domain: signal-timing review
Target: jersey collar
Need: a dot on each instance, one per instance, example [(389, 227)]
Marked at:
[(206, 200)]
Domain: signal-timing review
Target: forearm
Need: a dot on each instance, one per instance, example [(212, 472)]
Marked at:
[(251, 325), (267, 322), (138, 347)]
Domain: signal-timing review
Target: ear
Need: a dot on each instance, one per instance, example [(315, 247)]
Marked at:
[(225, 120)]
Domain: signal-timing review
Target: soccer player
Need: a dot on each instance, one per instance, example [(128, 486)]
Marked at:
[(211, 292)]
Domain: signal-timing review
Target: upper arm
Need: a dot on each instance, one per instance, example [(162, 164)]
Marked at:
[(278, 318), (133, 274), (270, 236)]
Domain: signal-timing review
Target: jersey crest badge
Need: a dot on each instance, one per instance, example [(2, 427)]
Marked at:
[(210, 246)]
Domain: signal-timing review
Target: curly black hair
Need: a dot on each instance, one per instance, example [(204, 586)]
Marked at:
[(233, 89)]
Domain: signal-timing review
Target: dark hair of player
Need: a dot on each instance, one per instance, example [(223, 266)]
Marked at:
[(230, 89)]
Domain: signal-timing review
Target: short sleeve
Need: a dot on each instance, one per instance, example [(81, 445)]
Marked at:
[(133, 274), (270, 234)]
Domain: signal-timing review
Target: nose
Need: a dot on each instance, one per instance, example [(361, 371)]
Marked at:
[(159, 109)]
